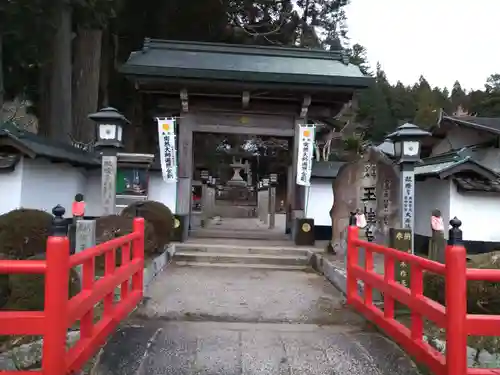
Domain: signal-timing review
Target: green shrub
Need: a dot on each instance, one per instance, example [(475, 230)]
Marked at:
[(23, 233), (483, 297), (113, 226), (158, 215), (27, 292)]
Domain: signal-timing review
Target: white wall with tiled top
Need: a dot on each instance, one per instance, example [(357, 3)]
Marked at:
[(10, 188), (479, 213), (40, 184), (431, 194)]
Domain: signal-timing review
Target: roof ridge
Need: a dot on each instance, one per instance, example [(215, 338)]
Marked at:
[(339, 55)]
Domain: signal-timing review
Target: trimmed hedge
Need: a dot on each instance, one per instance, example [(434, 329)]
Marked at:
[(24, 232), (158, 215)]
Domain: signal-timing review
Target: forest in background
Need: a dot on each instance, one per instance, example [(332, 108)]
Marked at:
[(59, 58)]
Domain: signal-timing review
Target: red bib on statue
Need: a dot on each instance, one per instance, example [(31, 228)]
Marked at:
[(78, 208)]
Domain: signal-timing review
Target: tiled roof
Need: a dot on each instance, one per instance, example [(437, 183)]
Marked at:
[(460, 166), (477, 184), (38, 146), (436, 168), (241, 63), (489, 124)]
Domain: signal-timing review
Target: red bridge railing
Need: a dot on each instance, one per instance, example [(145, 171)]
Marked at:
[(61, 312), (453, 318)]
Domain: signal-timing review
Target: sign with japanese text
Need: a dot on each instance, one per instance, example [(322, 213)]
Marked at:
[(386, 200), (369, 199), (401, 239), (408, 181), (305, 154), (108, 184), (168, 151)]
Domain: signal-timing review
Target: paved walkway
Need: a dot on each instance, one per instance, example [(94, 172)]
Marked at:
[(211, 321)]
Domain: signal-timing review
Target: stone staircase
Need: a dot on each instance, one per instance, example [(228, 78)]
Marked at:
[(272, 255)]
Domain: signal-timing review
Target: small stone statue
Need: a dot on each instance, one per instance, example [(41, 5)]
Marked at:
[(360, 219), (437, 242)]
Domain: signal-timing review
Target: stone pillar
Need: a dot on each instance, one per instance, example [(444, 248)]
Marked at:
[(272, 206), (185, 167), (204, 200), (84, 238), (265, 200), (259, 200), (108, 182), (210, 197)]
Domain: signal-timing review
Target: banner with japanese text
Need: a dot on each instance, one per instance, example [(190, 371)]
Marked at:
[(168, 151), (305, 154)]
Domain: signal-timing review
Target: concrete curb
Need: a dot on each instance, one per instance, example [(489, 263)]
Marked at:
[(335, 273), (157, 265)]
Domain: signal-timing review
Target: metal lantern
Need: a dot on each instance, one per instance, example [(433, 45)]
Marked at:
[(265, 182), (407, 140), (110, 123)]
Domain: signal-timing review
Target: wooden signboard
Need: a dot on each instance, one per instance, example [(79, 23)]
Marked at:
[(400, 239)]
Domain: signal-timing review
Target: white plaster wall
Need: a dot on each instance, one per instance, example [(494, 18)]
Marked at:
[(162, 192), (45, 184), (431, 194), (159, 191), (479, 213), (319, 201), (40, 184), (460, 137), (92, 193), (10, 189)]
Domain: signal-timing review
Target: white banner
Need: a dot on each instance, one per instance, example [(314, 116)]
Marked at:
[(305, 154), (168, 151)]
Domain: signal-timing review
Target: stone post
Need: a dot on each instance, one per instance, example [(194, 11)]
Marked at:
[(265, 200), (108, 182), (259, 200), (211, 197), (84, 238), (204, 198), (272, 200)]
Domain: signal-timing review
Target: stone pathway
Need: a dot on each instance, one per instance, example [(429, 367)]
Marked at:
[(216, 321)]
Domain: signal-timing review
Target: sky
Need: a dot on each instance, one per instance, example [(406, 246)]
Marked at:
[(443, 40)]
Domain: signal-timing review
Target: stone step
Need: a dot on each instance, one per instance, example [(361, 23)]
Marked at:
[(271, 267), (223, 258), (193, 247), (238, 234)]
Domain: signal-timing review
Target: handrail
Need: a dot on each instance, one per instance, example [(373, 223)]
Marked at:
[(60, 313), (453, 317)]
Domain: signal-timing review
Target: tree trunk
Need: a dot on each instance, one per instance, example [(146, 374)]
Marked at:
[(60, 85), (44, 102), (106, 59), (86, 72)]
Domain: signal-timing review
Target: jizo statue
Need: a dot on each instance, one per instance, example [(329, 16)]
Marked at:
[(437, 242)]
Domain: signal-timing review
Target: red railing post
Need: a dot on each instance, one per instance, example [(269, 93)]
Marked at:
[(56, 297), (456, 302), (138, 253), (352, 257)]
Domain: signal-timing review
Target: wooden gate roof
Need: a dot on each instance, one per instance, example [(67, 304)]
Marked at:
[(278, 66)]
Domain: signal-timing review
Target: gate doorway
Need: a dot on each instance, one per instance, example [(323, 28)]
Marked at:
[(229, 204)]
